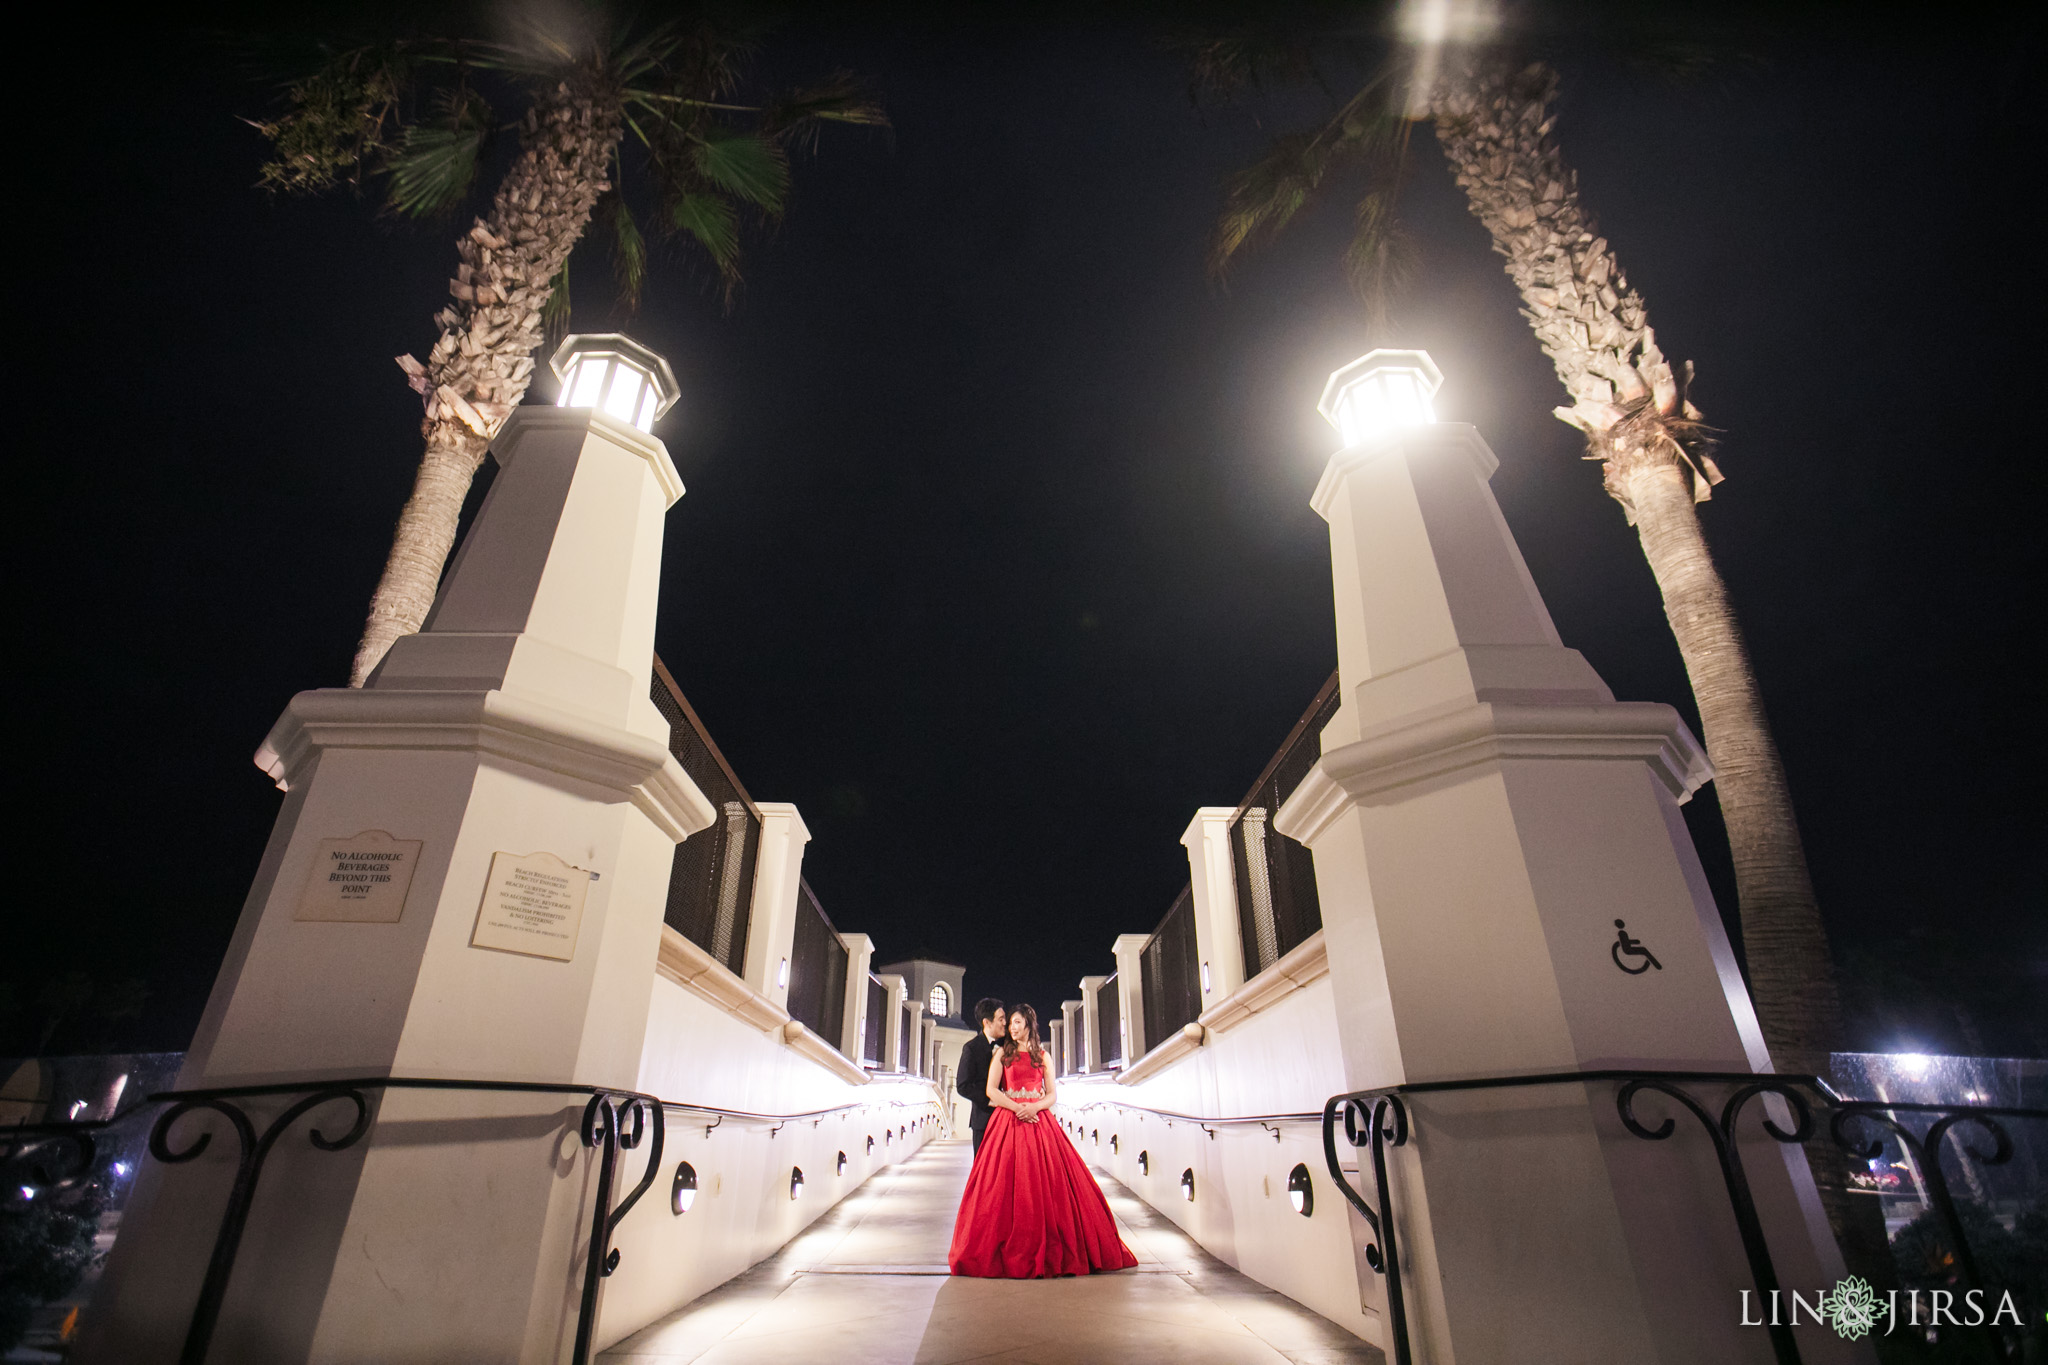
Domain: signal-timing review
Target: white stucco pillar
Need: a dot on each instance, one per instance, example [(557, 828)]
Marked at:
[(1483, 816), (1213, 885), (771, 922), (860, 955), (1091, 1026), (507, 781), (1057, 1028), (893, 991), (1076, 1059), (1130, 992), (914, 1022)]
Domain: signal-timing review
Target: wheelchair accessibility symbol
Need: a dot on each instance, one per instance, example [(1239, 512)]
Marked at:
[(1627, 946)]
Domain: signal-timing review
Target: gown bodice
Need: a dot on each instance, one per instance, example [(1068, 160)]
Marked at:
[(1023, 1074)]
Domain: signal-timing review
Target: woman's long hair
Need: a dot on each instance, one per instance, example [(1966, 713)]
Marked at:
[(1031, 1044)]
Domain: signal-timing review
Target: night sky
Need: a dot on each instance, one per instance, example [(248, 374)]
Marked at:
[(997, 557)]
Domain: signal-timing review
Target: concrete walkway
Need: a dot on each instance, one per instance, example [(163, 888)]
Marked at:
[(867, 1285)]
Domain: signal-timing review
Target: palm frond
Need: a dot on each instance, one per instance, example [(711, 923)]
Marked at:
[(554, 314), (434, 164), (340, 117), (795, 118), (749, 166), (1381, 256), (1244, 60), (715, 226), (629, 251), (1263, 198)]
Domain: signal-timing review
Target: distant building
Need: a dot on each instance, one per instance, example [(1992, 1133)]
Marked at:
[(938, 986)]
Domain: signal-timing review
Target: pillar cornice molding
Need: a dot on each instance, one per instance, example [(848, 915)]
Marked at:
[(499, 727), (537, 419), (1490, 732), (1452, 437)]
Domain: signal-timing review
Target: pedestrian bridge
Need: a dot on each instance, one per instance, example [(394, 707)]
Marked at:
[(534, 1043), (867, 1285)]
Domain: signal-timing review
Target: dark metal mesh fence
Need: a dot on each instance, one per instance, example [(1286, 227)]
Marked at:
[(711, 882), (1109, 1033), (817, 969), (1172, 984), (1276, 877), (903, 1037), (871, 1027)]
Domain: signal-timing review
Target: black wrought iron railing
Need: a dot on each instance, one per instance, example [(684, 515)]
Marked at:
[(1170, 973), (711, 882), (1277, 906), (817, 969), (873, 1023), (1109, 1033), (44, 1160), (1379, 1119)]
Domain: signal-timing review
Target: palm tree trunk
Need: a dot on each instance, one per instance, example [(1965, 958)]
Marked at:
[(479, 368), (1495, 126), (1784, 942)]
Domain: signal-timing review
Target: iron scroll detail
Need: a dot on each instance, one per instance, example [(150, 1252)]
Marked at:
[(253, 1151), (1754, 1247), (1379, 1118), (605, 1129), (1926, 1155), (1385, 1120)]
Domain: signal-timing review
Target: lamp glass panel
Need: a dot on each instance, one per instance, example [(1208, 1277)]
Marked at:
[(648, 399), (586, 382), (1381, 401), (622, 400)]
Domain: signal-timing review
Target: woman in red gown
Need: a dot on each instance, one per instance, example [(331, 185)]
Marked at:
[(1031, 1209)]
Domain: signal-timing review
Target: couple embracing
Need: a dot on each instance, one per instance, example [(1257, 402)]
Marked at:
[(1031, 1209)]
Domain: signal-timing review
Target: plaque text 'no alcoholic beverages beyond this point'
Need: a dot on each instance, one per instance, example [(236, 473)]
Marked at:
[(533, 904), (359, 880)]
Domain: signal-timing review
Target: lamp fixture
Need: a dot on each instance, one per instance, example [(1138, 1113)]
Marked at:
[(1205, 978), (1187, 1184), (1379, 392), (782, 976), (842, 1165), (683, 1192), (796, 1181), (615, 375), (871, 1144), (1301, 1190), (1144, 1163)]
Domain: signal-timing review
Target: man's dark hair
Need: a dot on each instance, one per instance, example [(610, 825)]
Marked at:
[(987, 1009)]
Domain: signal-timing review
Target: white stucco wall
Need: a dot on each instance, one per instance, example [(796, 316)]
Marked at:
[(699, 1053), (1283, 1059)]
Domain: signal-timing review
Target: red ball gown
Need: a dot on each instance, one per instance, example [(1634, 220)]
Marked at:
[(1031, 1209)]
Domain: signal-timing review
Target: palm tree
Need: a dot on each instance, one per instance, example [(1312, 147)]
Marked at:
[(418, 115), (1494, 118)]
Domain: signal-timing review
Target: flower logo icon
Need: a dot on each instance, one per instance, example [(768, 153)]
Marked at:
[(1852, 1309)]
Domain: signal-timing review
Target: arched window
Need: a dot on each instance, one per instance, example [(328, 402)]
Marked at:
[(941, 1002)]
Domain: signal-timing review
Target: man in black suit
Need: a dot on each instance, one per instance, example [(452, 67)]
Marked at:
[(972, 1080)]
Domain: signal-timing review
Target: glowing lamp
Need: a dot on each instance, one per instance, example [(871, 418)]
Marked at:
[(1187, 1184), (1380, 392), (782, 976), (1301, 1191), (683, 1193), (841, 1165), (1144, 1163), (615, 375), (796, 1182)]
